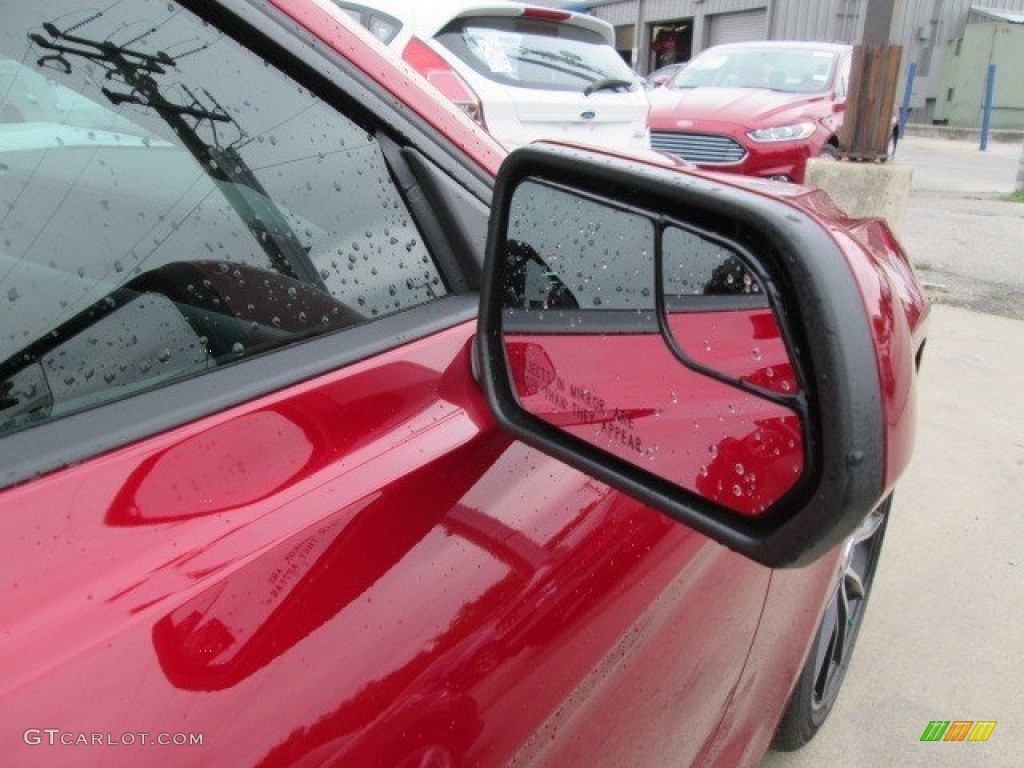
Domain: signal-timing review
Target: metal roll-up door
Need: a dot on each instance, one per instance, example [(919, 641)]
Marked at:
[(738, 27)]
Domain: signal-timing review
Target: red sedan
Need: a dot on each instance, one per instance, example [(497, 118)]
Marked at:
[(332, 436), (759, 109)]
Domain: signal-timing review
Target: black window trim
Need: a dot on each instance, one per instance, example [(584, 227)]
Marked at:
[(267, 32)]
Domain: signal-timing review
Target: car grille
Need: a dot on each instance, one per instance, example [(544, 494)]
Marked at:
[(703, 148)]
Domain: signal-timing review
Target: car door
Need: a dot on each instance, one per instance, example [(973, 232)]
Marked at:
[(255, 509)]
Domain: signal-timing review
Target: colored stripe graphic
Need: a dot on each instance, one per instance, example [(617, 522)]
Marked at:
[(982, 730), (935, 730), (958, 730)]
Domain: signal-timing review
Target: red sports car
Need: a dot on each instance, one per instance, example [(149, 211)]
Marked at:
[(759, 109), (332, 436)]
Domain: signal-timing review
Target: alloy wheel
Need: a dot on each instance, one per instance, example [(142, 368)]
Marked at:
[(845, 611)]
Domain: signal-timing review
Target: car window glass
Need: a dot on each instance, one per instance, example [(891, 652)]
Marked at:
[(534, 53), (169, 203), (789, 70), (382, 26)]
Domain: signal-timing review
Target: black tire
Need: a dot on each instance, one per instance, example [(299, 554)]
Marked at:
[(818, 687), (829, 152)]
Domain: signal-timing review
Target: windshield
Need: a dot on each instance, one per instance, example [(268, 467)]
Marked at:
[(788, 70), (535, 53)]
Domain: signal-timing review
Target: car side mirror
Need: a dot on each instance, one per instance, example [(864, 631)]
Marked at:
[(702, 347)]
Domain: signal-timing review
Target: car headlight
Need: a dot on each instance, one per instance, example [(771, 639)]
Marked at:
[(794, 132)]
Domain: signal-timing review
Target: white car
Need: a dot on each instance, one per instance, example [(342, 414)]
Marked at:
[(523, 73)]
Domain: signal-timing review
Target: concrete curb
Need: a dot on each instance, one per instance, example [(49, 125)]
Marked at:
[(963, 134), (865, 189)]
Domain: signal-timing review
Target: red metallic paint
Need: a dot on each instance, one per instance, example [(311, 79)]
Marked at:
[(796, 601), (743, 345), (767, 160), (362, 570), (735, 112), (732, 447), (896, 309), (399, 579)]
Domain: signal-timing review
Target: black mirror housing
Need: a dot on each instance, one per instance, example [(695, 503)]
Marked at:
[(611, 377)]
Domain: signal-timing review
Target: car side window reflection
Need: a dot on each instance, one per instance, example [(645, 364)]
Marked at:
[(566, 251), (694, 265), (170, 183)]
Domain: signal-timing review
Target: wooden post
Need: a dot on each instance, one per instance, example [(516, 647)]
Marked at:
[(868, 122)]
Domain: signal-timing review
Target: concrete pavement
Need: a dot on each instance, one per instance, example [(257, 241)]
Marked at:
[(964, 239), (943, 637), (944, 633)]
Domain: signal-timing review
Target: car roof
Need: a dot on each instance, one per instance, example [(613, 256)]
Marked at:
[(428, 18)]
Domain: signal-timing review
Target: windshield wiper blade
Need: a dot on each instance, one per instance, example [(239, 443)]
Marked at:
[(564, 57), (606, 84)]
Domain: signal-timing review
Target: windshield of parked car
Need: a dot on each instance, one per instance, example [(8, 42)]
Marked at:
[(788, 70), (535, 53)]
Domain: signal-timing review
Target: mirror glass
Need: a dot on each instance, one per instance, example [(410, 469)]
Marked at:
[(565, 251), (676, 394), (717, 313)]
